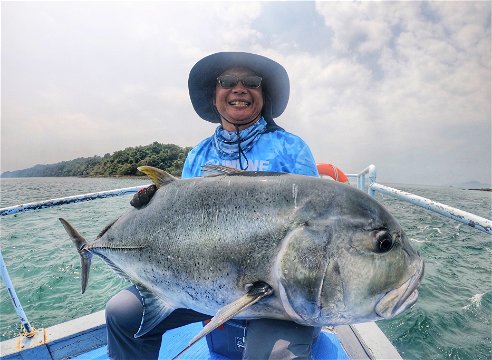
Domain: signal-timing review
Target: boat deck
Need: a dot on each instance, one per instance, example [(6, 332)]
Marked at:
[(327, 346), (85, 338)]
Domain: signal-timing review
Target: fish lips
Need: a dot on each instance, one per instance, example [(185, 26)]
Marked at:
[(398, 300)]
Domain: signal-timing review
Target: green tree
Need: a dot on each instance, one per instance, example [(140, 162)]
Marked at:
[(168, 157)]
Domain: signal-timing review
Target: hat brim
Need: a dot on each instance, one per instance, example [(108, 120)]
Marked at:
[(203, 77)]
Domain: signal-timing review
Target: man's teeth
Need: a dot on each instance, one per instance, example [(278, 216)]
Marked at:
[(239, 103)]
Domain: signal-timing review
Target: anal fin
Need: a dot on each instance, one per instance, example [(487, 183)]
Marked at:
[(155, 310)]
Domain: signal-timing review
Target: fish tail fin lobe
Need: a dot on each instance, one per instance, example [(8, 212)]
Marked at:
[(85, 256)]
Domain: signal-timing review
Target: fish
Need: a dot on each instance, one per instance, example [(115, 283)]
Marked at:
[(248, 245)]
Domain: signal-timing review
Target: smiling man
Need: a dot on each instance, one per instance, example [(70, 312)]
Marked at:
[(242, 92), (238, 98)]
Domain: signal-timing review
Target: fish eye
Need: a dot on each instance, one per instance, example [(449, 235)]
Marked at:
[(383, 241)]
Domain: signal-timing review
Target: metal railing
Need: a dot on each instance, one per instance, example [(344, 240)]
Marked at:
[(461, 216), (369, 174), (28, 329), (11, 210), (67, 200)]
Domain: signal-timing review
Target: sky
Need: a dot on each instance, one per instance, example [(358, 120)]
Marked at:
[(405, 86)]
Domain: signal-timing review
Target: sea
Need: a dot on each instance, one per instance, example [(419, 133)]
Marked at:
[(451, 319)]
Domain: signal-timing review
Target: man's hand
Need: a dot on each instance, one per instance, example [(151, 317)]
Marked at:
[(143, 196)]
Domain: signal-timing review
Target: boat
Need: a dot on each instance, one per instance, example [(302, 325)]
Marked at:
[(85, 337)]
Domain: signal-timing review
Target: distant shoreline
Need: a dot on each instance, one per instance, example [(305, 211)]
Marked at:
[(112, 177), (143, 177)]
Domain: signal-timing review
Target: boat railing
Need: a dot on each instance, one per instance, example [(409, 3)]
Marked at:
[(369, 174), (366, 181)]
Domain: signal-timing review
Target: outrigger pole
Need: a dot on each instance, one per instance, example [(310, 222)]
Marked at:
[(11, 210), (461, 216), (464, 217), (28, 329)]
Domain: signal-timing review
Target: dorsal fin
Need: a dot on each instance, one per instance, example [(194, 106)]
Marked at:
[(159, 177), (218, 170)]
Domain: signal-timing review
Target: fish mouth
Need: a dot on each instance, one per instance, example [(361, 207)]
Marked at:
[(398, 300)]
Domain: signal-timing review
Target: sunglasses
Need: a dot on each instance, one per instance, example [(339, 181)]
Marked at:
[(230, 81)]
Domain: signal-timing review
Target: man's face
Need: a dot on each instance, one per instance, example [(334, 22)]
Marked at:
[(239, 105)]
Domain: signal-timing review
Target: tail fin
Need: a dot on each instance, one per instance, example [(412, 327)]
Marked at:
[(85, 256)]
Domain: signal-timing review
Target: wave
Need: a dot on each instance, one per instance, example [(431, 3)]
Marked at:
[(475, 301)]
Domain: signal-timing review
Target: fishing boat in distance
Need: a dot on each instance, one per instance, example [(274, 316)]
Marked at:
[(85, 337)]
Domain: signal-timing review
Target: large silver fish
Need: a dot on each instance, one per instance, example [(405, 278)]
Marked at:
[(260, 245)]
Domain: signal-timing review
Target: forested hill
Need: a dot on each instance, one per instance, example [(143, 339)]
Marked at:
[(167, 157)]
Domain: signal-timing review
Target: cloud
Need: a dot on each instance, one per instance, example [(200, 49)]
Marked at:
[(404, 85), (424, 90)]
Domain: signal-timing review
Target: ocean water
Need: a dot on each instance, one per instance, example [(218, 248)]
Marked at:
[(451, 320)]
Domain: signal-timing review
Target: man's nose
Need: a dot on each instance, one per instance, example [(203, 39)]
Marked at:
[(239, 88)]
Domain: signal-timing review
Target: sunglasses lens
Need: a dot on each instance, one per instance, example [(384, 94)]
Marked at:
[(227, 81), (252, 82), (230, 81)]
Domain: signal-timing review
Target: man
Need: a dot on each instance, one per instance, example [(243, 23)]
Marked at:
[(243, 92), (248, 137)]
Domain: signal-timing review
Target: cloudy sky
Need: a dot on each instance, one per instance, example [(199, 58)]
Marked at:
[(403, 85)]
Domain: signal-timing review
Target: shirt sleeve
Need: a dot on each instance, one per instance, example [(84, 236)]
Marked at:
[(195, 160), (187, 173)]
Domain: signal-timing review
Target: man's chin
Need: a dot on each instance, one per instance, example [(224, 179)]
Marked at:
[(238, 121)]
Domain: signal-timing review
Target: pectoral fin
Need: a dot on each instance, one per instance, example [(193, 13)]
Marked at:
[(256, 292)]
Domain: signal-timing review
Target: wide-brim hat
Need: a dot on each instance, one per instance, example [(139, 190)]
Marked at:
[(203, 79)]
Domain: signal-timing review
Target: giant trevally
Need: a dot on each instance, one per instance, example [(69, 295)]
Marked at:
[(260, 245)]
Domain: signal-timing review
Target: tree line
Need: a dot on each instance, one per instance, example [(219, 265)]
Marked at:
[(168, 157)]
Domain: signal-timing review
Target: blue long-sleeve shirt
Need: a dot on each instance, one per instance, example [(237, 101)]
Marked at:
[(275, 151)]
